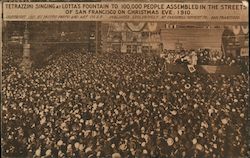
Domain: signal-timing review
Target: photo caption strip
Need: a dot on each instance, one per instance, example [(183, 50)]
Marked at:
[(107, 11)]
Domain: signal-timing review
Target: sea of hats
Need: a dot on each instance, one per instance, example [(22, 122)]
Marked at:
[(120, 105)]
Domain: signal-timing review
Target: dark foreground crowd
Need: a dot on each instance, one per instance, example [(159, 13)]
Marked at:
[(121, 105)]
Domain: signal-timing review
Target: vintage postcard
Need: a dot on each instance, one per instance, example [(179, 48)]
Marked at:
[(125, 79)]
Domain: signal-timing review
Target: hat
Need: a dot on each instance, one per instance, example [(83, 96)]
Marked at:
[(63, 125), (210, 111), (242, 115), (94, 133), (60, 154), (170, 141), (174, 112), (116, 111), (46, 110), (187, 86), (116, 155), (235, 100), (220, 131), (164, 100), (154, 105), (42, 137), (43, 120), (138, 112), (194, 141), (136, 103), (98, 153), (215, 146), (94, 106), (180, 132), (123, 147), (143, 144), (145, 151), (60, 142), (88, 149), (77, 145), (90, 122), (199, 147), (48, 152), (133, 152), (196, 106), (72, 138), (81, 120), (204, 124), (201, 134), (38, 152), (81, 147), (100, 105), (69, 147), (97, 97), (224, 121), (109, 113), (176, 139)]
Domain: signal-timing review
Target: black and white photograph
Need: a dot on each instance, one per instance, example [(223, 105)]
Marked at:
[(126, 88)]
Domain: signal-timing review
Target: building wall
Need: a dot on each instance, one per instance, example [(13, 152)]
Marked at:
[(192, 38), (120, 37)]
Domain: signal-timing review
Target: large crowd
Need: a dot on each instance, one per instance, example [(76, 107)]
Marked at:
[(10, 60), (121, 105)]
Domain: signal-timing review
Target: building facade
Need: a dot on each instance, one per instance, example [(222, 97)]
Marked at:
[(131, 37)]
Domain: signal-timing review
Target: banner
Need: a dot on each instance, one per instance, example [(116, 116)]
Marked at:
[(244, 29), (125, 11), (136, 26), (236, 29)]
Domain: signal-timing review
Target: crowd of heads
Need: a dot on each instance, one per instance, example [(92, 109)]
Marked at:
[(202, 56), (121, 105)]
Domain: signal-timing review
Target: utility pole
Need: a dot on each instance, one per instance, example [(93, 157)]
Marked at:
[(96, 36), (26, 62)]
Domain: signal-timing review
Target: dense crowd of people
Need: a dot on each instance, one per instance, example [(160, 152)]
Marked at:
[(202, 57), (121, 105), (10, 60)]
